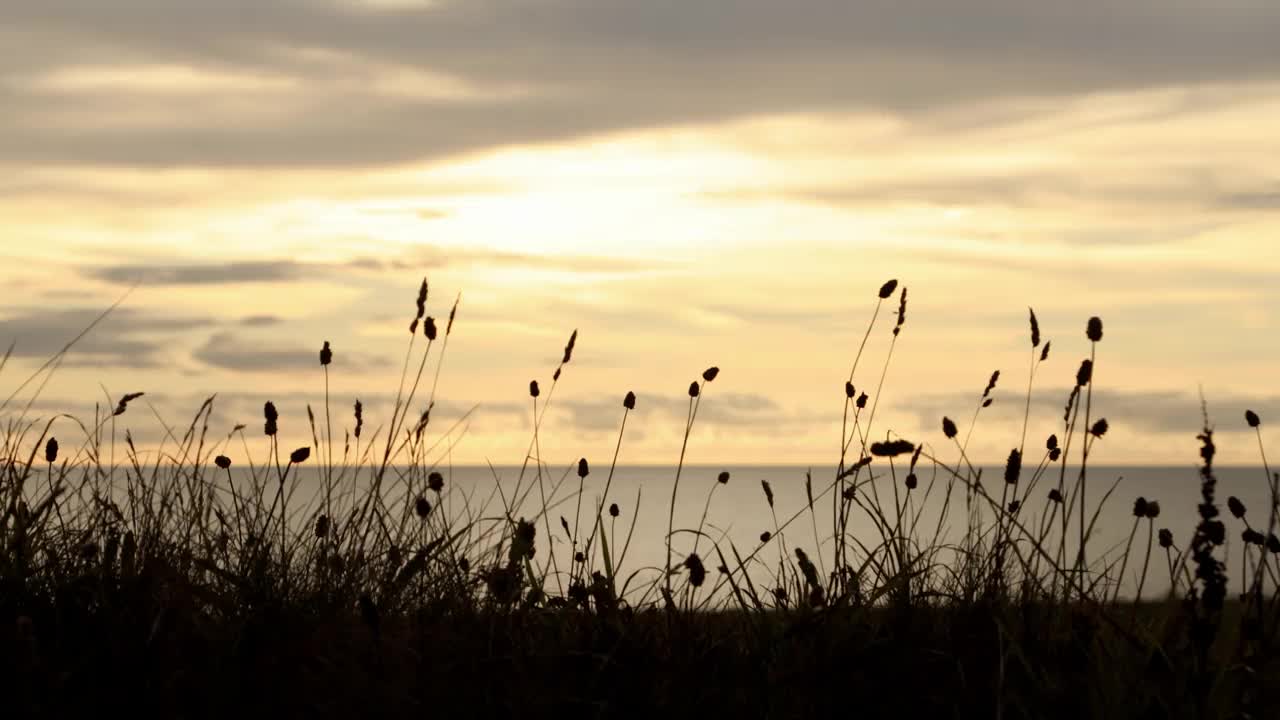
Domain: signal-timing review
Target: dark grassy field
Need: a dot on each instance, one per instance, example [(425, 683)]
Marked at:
[(165, 587)]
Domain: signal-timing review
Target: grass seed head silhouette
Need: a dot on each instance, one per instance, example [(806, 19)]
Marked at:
[(1035, 329), (435, 481), (326, 354), (51, 450), (1084, 374), (270, 416), (1252, 418), (1013, 467), (1094, 329), (892, 448), (1236, 507), (222, 461), (887, 289), (949, 428), (629, 402)]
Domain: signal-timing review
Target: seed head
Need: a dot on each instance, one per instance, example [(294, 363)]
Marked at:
[(1084, 374), (629, 402), (359, 418), (1055, 495), (697, 573), (861, 402), (723, 477), (1014, 506), (568, 348), (902, 311), (849, 390), (949, 428), (710, 373), (1013, 467), (322, 526), (911, 481), (579, 557), (222, 461), (1253, 537), (422, 507), (533, 389), (1099, 428), (435, 481), (1094, 330), (299, 456), (1235, 506), (892, 448), (887, 289), (51, 450), (991, 384), (271, 416), (1153, 509), (583, 468), (1035, 329), (124, 402), (768, 491), (1273, 543), (765, 537), (1166, 538), (1252, 418), (1052, 442), (429, 328), (1054, 454), (326, 354), (1140, 507), (1044, 352), (613, 510), (422, 298), (694, 389)]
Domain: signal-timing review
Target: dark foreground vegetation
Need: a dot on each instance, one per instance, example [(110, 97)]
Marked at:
[(165, 585)]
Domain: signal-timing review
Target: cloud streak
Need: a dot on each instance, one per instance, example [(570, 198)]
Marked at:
[(507, 72)]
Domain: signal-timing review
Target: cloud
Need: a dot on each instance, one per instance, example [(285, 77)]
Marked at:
[(282, 271), (364, 85), (225, 351), (127, 338), (1153, 411), (740, 410), (202, 274)]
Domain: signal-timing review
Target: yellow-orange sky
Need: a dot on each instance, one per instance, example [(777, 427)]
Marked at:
[(686, 184)]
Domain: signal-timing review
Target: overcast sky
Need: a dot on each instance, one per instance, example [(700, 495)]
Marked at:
[(692, 183)]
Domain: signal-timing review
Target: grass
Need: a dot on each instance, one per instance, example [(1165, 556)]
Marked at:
[(176, 587)]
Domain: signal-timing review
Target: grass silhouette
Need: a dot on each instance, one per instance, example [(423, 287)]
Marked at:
[(178, 589)]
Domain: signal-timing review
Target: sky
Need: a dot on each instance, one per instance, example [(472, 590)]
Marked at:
[(686, 184)]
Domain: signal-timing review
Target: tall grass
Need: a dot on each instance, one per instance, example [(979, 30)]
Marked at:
[(391, 588)]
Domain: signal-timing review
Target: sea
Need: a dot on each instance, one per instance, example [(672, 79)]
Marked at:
[(798, 511)]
